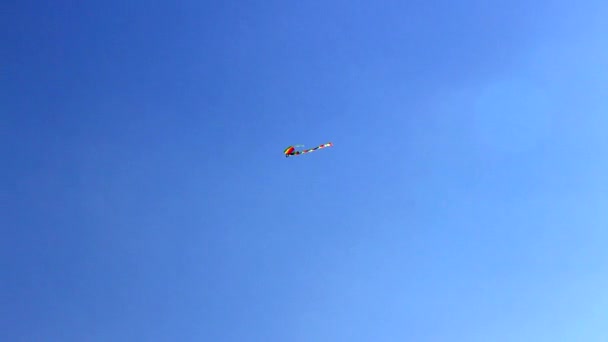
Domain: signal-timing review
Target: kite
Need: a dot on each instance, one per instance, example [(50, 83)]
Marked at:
[(291, 150)]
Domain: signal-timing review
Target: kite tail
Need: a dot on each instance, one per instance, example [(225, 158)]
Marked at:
[(316, 148)]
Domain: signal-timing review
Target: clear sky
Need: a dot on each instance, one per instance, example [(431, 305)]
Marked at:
[(145, 196)]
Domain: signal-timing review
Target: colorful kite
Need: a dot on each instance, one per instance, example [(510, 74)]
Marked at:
[(291, 150)]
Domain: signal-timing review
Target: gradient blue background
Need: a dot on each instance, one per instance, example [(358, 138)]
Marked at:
[(145, 196)]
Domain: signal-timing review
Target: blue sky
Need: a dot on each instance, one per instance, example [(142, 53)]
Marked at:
[(145, 196)]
